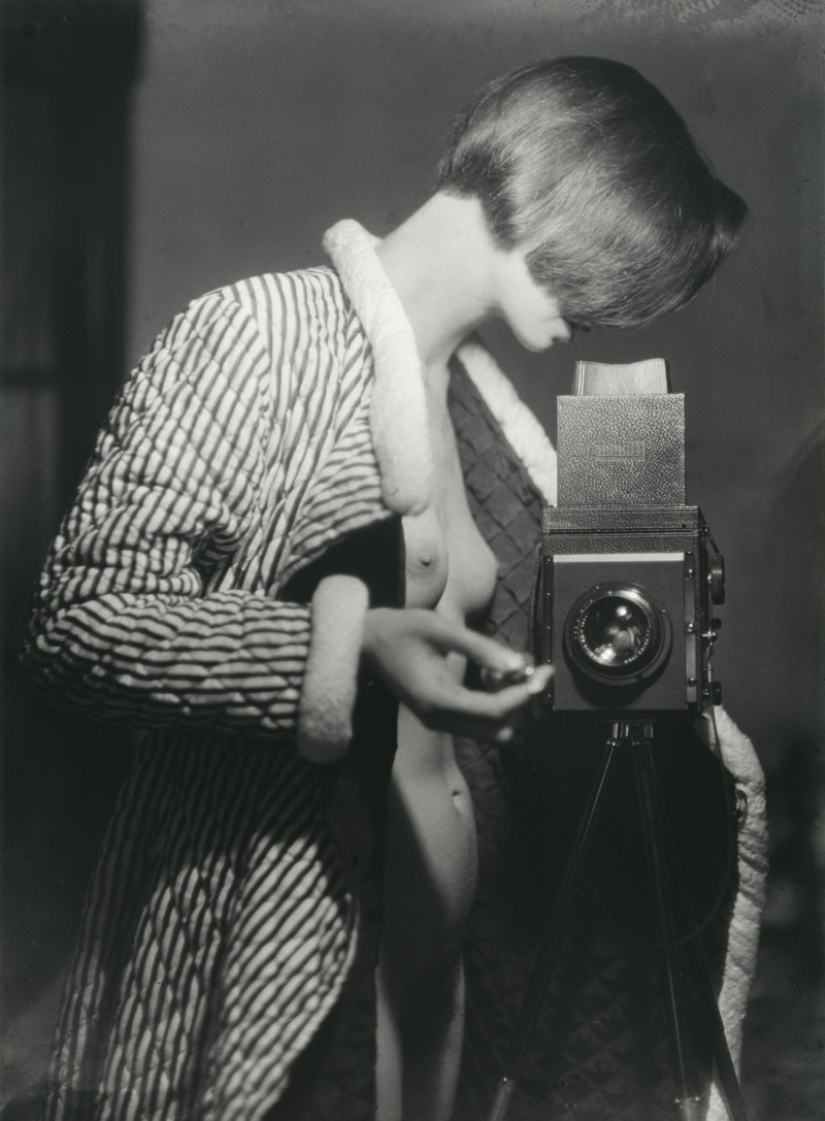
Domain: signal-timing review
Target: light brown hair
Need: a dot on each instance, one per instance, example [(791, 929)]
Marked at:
[(586, 165)]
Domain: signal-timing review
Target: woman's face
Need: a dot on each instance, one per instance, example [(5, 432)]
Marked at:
[(531, 311)]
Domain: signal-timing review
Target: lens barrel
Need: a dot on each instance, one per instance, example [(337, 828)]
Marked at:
[(618, 633)]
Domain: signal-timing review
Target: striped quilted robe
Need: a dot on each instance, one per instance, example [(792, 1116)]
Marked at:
[(271, 421)]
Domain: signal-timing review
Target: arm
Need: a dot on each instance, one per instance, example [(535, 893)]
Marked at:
[(123, 627)]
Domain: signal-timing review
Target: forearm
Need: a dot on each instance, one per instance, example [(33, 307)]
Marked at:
[(232, 661)]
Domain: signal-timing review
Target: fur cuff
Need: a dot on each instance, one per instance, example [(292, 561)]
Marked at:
[(331, 675)]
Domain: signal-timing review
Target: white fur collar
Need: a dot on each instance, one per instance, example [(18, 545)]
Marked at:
[(399, 410), (526, 436)]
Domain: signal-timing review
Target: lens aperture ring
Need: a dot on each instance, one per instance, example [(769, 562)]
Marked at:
[(618, 633)]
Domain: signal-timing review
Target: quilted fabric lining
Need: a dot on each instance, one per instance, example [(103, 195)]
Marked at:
[(600, 1048)]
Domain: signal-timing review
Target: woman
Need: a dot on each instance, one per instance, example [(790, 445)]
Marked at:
[(272, 563)]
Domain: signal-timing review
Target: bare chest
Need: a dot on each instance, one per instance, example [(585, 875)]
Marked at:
[(449, 565)]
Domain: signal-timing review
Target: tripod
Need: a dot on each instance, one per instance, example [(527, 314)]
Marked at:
[(670, 896)]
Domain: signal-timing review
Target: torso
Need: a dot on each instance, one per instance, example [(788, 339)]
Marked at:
[(449, 569), (431, 850), (449, 566)]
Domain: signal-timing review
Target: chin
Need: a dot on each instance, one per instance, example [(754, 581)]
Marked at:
[(535, 346)]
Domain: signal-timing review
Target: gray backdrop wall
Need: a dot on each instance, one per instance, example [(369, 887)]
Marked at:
[(257, 125)]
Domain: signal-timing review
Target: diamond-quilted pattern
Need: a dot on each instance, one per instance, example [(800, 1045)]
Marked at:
[(498, 506), (600, 1049), (482, 479)]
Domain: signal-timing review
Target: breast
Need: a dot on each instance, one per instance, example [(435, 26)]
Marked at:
[(449, 565), (426, 564), (473, 573)]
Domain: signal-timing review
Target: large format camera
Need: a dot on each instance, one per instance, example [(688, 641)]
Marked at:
[(627, 580), (628, 574)]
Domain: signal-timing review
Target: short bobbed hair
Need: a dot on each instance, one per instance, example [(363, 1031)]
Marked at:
[(584, 164)]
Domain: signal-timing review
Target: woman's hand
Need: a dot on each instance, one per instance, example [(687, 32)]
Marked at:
[(409, 649)]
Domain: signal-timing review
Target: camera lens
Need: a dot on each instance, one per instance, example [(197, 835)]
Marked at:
[(618, 633), (614, 632)]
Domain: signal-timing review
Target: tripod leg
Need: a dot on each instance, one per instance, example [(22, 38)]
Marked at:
[(712, 1023), (688, 1084), (700, 975), (551, 939)]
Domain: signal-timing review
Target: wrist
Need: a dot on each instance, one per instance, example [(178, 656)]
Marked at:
[(379, 637)]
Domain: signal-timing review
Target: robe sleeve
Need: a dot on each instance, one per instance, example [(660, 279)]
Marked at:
[(124, 626), (740, 759)]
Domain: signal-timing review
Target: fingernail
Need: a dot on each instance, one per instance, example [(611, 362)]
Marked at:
[(537, 682), (519, 664), (494, 679)]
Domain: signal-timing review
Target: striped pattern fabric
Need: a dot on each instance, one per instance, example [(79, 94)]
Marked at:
[(270, 420), (218, 930), (239, 449)]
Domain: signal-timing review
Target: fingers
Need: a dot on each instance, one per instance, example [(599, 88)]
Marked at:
[(444, 635), (488, 716), (409, 650), (512, 697), (486, 652)]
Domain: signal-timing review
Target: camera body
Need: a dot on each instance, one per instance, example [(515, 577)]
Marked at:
[(628, 574)]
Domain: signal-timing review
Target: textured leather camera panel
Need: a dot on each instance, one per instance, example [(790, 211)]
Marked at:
[(608, 532), (666, 690), (627, 451)]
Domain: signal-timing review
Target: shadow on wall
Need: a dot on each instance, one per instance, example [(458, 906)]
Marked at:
[(795, 528), (783, 1061), (796, 779), (67, 67), (784, 1047)]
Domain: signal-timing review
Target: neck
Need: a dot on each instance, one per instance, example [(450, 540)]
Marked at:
[(440, 263)]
